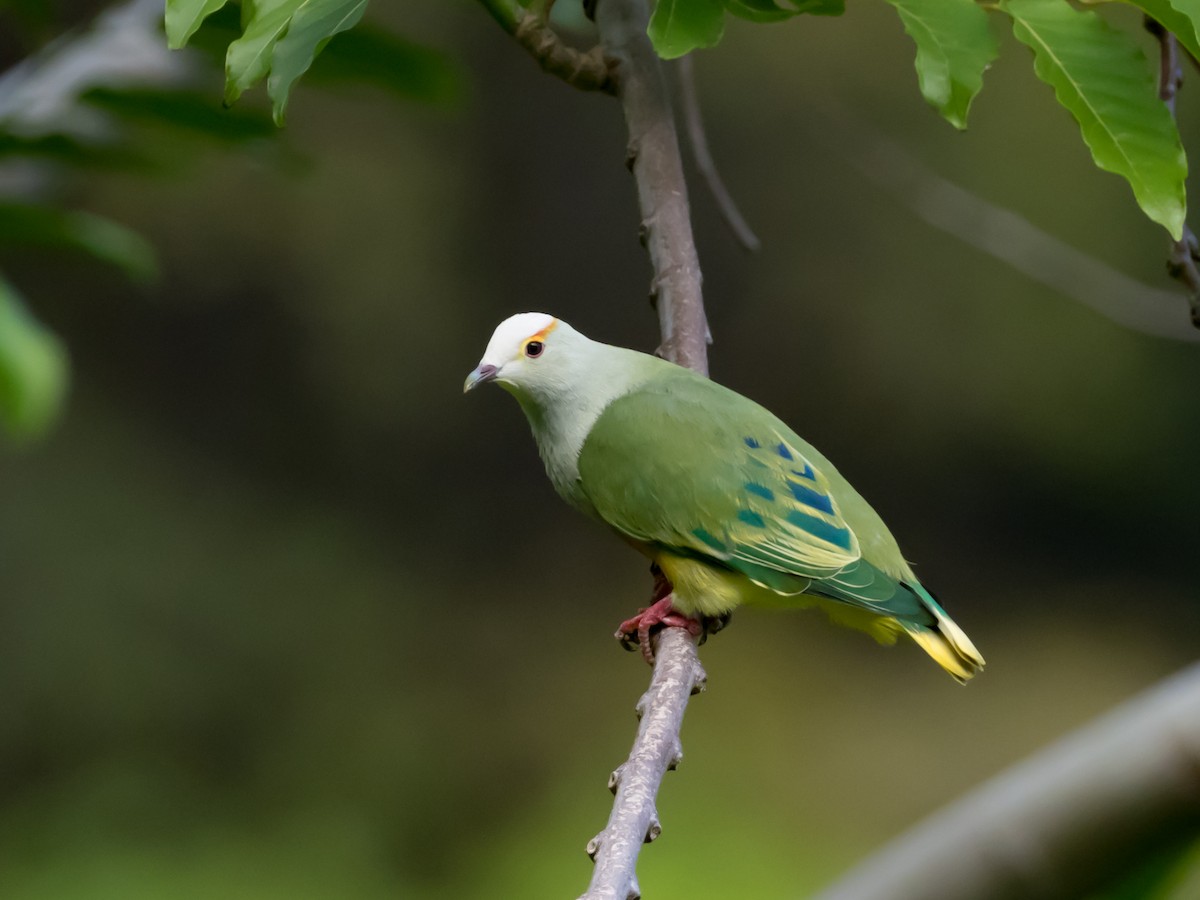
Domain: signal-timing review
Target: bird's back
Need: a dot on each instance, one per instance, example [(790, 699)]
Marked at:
[(682, 441)]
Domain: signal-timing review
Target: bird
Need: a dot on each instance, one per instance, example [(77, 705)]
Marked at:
[(728, 503)]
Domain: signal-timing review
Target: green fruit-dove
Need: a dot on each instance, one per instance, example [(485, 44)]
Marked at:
[(728, 503)]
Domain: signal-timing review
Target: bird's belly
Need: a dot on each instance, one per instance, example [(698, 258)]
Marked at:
[(702, 589)]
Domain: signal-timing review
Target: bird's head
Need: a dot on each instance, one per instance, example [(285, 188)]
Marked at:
[(530, 354)]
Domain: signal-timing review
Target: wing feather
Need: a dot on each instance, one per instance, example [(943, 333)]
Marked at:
[(689, 465)]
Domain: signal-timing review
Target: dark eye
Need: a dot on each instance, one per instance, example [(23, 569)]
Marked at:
[(534, 349)]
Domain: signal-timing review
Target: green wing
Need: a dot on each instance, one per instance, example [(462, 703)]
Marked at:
[(688, 465)]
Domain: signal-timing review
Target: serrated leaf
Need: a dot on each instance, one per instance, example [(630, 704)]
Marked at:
[(183, 17), (249, 57), (954, 48), (33, 368), (678, 27), (314, 23), (1180, 17), (770, 11), (1105, 82)]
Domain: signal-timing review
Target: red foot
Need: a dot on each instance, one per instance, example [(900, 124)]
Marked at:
[(658, 613)]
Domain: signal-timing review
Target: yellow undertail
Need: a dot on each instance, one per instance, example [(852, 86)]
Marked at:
[(702, 589)]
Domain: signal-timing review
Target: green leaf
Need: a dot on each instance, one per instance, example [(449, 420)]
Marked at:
[(1105, 82), (680, 26), (770, 11), (1180, 17), (249, 57), (315, 22), (190, 111), (183, 17), (101, 238), (33, 369), (954, 48)]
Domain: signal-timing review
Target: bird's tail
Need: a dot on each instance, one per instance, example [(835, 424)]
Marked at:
[(946, 642)]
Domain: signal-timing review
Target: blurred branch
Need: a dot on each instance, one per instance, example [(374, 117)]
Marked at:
[(634, 820), (1182, 257), (1063, 823), (122, 48), (531, 28), (1011, 238), (698, 140)]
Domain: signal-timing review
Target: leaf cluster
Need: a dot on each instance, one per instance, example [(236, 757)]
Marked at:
[(283, 41), (280, 38), (1098, 72)]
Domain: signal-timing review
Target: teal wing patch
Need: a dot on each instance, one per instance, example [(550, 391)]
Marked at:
[(787, 518), (689, 465)]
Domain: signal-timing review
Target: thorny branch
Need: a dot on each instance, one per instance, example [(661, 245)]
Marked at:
[(1184, 253), (634, 819), (626, 64), (654, 159)]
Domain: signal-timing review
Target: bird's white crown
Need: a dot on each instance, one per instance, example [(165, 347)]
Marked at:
[(514, 331)]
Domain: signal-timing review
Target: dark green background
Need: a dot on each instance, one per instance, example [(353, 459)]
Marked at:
[(283, 615)]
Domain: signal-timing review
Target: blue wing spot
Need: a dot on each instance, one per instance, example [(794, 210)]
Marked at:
[(807, 473), (711, 541), (750, 517), (765, 492), (752, 443), (809, 497), (783, 451), (819, 528)]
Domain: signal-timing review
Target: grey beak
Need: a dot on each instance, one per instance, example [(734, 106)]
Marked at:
[(480, 374)]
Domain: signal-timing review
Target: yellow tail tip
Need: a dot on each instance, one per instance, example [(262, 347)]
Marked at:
[(950, 648)]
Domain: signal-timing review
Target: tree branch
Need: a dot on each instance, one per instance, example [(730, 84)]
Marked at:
[(657, 748), (689, 103), (531, 28), (1182, 257), (1063, 823), (653, 157), (666, 231), (1006, 236)]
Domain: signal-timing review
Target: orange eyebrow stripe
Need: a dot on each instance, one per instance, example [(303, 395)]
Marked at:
[(541, 335)]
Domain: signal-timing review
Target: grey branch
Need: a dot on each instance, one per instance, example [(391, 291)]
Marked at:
[(653, 157), (1063, 823), (689, 103), (1011, 238), (634, 820), (532, 30)]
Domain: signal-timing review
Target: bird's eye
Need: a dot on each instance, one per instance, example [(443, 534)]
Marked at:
[(534, 349)]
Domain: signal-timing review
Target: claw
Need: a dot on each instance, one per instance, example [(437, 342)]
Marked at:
[(658, 614)]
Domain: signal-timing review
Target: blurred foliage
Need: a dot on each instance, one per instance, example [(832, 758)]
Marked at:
[(281, 39), (32, 366), (284, 616), (1098, 73), (1170, 872), (135, 113)]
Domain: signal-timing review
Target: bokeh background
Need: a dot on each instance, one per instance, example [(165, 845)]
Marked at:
[(285, 616)]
